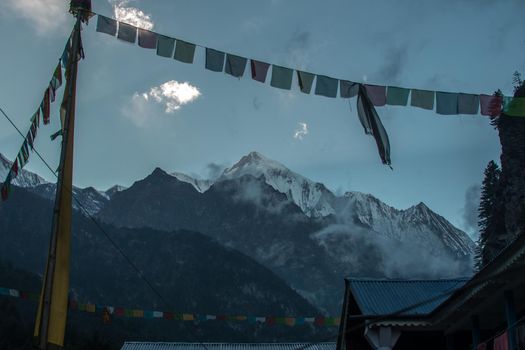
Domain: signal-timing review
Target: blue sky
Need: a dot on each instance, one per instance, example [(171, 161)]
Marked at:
[(121, 136)]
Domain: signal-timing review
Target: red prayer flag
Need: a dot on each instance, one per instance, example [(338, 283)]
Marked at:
[(377, 94), (271, 321), (5, 190), (168, 315), (319, 321), (14, 167), (482, 346), (259, 70), (119, 311), (501, 342), (491, 105), (46, 107)]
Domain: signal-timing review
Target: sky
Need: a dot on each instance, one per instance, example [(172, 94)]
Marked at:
[(137, 111)]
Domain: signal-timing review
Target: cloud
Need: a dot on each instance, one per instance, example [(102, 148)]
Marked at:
[(301, 131), (394, 65), (214, 170), (172, 94), (131, 15), (470, 210), (46, 16)]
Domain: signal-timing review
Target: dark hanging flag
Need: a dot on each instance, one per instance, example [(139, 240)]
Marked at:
[(259, 70), (184, 51), (147, 39), (45, 107), (348, 89), (51, 92), (65, 54), (127, 32), (372, 124), (305, 80), (214, 60), (29, 138), (235, 65), (106, 25), (25, 152), (6, 187), (56, 81), (14, 168)]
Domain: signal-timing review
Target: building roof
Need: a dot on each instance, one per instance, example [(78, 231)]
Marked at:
[(377, 297), (225, 346)]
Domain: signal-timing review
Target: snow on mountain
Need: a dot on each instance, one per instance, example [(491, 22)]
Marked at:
[(199, 185), (313, 198), (110, 192), (24, 179)]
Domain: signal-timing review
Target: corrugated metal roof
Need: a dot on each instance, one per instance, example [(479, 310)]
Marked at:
[(225, 346), (384, 296)]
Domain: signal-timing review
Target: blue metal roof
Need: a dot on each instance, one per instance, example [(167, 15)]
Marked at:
[(377, 297), (225, 346)]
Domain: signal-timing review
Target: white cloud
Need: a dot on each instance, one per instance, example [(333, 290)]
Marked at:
[(171, 94), (131, 15), (301, 131), (174, 94), (46, 16)]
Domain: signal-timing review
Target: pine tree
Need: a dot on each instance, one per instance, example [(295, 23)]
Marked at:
[(491, 217)]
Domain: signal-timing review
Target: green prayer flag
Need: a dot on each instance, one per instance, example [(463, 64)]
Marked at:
[(281, 77), (397, 96), (165, 46), (422, 99), (184, 51), (514, 106)]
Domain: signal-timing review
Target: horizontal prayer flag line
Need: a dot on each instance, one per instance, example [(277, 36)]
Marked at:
[(186, 317)]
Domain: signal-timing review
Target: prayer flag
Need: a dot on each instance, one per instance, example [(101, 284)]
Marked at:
[(280, 320), (25, 151), (56, 81), (422, 99), (241, 318), (45, 107), (127, 32), (305, 80), (319, 321), (184, 51), (210, 317), (281, 77), (309, 319), (165, 46), (326, 86), (514, 106), (64, 59), (158, 314), (168, 315), (299, 321), (397, 96), (92, 308), (270, 321), (128, 313), (468, 103), (372, 124), (348, 89), (6, 187), (446, 103), (376, 94), (259, 70), (51, 92), (482, 346), (14, 168), (289, 321), (214, 60), (187, 317), (137, 313), (260, 319), (147, 39), (490, 105), (106, 25), (235, 65), (29, 138), (119, 311), (502, 342)]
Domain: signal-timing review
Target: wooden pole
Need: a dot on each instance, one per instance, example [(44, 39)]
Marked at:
[(61, 223)]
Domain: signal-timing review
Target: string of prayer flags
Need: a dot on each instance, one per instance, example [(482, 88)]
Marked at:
[(306, 81), (372, 124), (184, 51), (259, 70), (165, 46), (235, 65), (106, 25), (127, 32), (446, 103), (108, 312), (214, 60), (326, 86), (397, 96), (147, 39), (348, 89), (281, 77), (422, 99)]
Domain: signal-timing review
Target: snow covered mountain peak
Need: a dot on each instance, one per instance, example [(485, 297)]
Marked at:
[(313, 198), (24, 179), (199, 184)]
